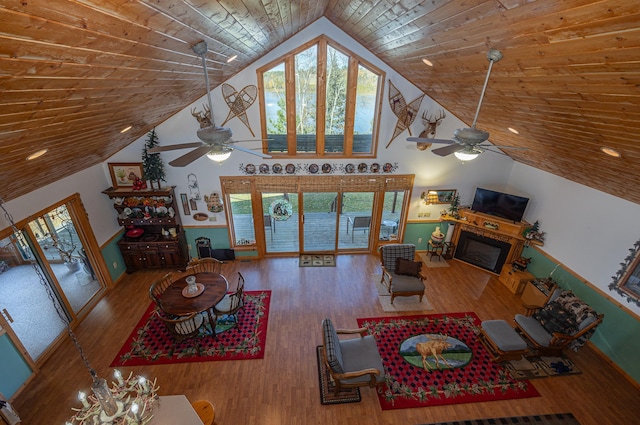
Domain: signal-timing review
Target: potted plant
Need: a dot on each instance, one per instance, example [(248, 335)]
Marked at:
[(66, 247)]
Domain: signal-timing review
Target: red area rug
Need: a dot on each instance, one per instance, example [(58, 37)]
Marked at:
[(151, 343), (468, 376)]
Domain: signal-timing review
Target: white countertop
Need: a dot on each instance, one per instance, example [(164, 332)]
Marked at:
[(174, 410)]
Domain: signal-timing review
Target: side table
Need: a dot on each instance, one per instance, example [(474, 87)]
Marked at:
[(435, 249)]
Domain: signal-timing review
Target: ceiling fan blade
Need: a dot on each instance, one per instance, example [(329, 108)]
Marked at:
[(492, 151), (505, 147), (247, 140), (448, 150), (189, 157), (425, 140), (260, 154), (174, 147)]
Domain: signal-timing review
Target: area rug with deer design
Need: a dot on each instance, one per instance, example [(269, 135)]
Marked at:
[(437, 359), (151, 343)]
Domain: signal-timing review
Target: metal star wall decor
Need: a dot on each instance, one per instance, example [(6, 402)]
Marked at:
[(239, 103), (406, 113)]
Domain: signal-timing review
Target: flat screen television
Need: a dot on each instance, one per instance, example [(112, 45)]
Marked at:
[(503, 205)]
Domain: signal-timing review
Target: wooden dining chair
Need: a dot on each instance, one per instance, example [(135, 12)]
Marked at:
[(183, 328), (204, 265), (158, 287), (205, 411), (231, 304)]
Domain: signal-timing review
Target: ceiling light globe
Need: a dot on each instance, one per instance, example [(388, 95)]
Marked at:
[(219, 156), (466, 156)]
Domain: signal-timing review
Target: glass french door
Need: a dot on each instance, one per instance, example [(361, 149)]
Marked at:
[(46, 260), (320, 221), (24, 298), (356, 219), (56, 234), (280, 222)]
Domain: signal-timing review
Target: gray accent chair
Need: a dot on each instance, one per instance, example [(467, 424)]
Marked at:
[(400, 285), (351, 362)]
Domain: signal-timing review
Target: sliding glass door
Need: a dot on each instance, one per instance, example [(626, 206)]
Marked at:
[(295, 214), (280, 222), (320, 221), (24, 298), (66, 256), (356, 220), (47, 261)]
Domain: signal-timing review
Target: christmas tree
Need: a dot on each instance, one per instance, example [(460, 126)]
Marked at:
[(152, 163), (453, 209)]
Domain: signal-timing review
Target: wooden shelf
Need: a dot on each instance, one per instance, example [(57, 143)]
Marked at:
[(126, 191)]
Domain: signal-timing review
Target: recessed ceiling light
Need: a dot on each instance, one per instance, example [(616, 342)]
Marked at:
[(37, 154), (513, 130), (427, 62), (124, 130), (232, 58), (611, 152)]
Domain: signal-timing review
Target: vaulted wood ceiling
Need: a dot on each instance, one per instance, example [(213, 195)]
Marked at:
[(74, 73)]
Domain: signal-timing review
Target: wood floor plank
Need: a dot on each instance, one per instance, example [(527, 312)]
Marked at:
[(282, 388)]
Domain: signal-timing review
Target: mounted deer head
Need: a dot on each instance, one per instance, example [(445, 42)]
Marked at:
[(431, 122), (204, 118)]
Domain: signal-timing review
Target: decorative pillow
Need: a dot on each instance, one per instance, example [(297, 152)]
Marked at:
[(408, 267), (554, 318)]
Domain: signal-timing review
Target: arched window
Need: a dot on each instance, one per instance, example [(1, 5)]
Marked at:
[(320, 100)]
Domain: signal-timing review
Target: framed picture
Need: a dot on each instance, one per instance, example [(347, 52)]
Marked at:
[(185, 203), (439, 196), (123, 174)]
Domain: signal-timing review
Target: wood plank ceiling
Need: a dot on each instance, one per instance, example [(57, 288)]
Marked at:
[(74, 73)]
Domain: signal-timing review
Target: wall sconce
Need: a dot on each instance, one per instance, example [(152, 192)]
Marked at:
[(430, 197)]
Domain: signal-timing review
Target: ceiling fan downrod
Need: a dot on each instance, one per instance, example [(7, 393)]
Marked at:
[(493, 56), (201, 49)]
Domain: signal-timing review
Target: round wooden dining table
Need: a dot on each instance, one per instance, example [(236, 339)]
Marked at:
[(175, 303)]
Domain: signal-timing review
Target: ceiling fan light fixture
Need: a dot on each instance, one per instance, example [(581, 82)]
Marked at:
[(468, 154), (219, 155), (611, 152)]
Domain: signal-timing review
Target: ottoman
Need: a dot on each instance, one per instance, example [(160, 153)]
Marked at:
[(502, 341)]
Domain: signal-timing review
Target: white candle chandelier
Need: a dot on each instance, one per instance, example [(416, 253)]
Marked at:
[(128, 402)]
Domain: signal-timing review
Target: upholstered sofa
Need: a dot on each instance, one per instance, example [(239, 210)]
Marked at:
[(565, 321), (353, 362)]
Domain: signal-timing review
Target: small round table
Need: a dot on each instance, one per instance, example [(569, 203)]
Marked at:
[(215, 287)]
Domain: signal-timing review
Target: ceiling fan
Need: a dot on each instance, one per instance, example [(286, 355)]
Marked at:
[(467, 142), (216, 141)]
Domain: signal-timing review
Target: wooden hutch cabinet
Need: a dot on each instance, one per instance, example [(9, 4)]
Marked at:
[(156, 213)]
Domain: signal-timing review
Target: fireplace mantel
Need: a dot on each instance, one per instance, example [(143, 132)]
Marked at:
[(488, 226)]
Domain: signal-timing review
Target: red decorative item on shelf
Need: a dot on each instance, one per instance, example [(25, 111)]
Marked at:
[(135, 232), (139, 184)]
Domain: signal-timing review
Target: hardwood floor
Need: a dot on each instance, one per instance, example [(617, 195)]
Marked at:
[(282, 388)]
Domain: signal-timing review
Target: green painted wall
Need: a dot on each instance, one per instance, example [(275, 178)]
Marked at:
[(14, 370), (617, 335), (111, 255), (417, 230)]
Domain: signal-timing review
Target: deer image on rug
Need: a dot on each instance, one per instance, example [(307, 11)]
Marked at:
[(435, 346)]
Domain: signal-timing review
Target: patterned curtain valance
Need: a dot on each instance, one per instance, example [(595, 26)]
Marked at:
[(293, 184)]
